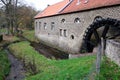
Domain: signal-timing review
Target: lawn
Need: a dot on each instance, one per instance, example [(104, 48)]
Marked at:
[(4, 65), (46, 69)]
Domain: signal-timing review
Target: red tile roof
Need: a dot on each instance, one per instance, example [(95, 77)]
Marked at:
[(91, 4), (63, 6), (52, 9)]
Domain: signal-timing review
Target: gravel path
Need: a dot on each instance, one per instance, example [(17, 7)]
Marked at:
[(17, 71)]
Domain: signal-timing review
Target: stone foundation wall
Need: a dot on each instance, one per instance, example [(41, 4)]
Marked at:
[(113, 51)]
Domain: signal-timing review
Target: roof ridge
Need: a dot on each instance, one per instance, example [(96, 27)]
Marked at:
[(66, 6)]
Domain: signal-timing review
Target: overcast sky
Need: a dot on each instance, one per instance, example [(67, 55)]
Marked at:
[(41, 4)]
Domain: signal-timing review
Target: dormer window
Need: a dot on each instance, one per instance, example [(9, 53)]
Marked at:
[(77, 20), (78, 2)]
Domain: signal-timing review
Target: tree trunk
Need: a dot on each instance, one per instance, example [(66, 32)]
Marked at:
[(1, 37)]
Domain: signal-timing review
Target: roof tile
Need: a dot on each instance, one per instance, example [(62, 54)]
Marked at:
[(73, 6), (52, 9), (91, 4)]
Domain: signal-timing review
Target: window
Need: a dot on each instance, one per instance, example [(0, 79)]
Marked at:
[(63, 21), (52, 25), (72, 36), (36, 24), (60, 32), (45, 26), (77, 20), (65, 33), (39, 25)]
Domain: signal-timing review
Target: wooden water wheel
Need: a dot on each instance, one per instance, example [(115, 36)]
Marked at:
[(106, 28)]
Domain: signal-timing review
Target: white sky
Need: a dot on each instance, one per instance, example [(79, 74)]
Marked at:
[(41, 4)]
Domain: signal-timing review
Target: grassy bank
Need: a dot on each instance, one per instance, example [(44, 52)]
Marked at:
[(4, 65), (74, 69), (4, 62), (109, 70), (30, 35), (46, 69)]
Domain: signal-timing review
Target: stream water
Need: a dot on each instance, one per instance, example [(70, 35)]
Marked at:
[(17, 71)]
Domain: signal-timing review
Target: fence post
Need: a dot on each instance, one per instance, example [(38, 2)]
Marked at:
[(98, 61), (103, 44), (101, 51)]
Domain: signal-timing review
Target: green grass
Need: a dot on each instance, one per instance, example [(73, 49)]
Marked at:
[(30, 35), (4, 62), (72, 69), (15, 39), (4, 65), (109, 70), (3, 31)]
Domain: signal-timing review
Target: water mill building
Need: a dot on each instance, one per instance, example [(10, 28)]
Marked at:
[(69, 25)]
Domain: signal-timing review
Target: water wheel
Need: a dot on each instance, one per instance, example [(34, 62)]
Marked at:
[(106, 28)]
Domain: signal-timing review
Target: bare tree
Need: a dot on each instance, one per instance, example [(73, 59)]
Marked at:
[(10, 12), (26, 16), (17, 15)]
